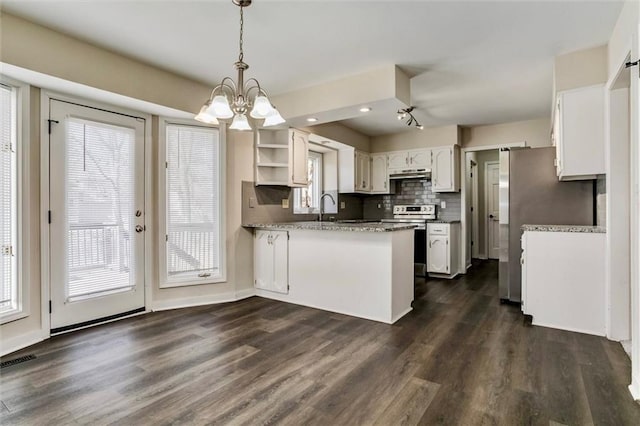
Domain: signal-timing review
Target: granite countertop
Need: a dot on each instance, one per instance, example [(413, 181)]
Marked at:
[(565, 228), (334, 226)]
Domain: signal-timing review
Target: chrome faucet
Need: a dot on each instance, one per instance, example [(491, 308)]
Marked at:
[(322, 204)]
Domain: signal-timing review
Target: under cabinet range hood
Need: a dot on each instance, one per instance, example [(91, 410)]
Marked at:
[(411, 174)]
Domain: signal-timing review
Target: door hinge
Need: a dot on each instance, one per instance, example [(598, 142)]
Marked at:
[(49, 216), (50, 306), (166, 164), (166, 237), (472, 208), (472, 243), (631, 64), (50, 121)]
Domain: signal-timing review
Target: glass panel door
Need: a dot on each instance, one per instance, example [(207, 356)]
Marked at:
[(97, 242)]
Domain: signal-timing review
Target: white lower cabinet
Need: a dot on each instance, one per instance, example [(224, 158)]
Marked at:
[(271, 260), (563, 276), (442, 249)]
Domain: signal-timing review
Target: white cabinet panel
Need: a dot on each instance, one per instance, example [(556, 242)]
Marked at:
[(419, 158), (563, 278), (438, 254), (578, 133), (354, 171), (380, 183), (299, 158), (442, 249), (445, 169), (409, 160), (271, 261)]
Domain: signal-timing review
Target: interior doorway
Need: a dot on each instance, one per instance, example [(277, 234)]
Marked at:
[(492, 206)]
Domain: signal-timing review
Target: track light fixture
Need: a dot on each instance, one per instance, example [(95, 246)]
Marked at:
[(411, 121)]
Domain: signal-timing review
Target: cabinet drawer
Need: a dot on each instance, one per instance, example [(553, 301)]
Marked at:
[(438, 229)]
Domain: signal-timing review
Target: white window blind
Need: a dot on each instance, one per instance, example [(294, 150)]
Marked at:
[(8, 201), (193, 203), (100, 197)]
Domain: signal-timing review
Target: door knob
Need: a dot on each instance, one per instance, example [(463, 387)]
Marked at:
[(139, 228), (491, 216)]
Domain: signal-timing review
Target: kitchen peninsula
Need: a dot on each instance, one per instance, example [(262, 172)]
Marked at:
[(359, 269)]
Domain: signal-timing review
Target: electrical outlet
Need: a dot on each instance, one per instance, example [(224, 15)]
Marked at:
[(343, 205), (443, 204), (285, 203), (379, 205)]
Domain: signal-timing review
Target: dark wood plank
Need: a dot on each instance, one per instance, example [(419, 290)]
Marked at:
[(460, 357)]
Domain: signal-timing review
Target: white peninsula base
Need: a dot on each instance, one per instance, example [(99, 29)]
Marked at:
[(363, 274)]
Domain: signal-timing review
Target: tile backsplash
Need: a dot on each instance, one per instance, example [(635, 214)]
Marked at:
[(413, 191)]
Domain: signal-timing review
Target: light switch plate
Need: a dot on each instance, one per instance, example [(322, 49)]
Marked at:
[(285, 203), (443, 204), (343, 205)]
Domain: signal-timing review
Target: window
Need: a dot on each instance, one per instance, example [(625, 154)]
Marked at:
[(307, 199), (12, 109), (194, 237)]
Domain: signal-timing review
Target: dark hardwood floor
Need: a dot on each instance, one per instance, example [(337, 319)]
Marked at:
[(458, 358)]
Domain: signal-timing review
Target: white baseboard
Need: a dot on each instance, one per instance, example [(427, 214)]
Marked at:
[(634, 388), (187, 302), (245, 293), (14, 344)]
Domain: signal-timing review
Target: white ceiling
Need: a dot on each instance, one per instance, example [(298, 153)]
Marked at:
[(472, 62)]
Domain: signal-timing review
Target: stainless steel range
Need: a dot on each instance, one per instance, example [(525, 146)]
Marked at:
[(418, 214)]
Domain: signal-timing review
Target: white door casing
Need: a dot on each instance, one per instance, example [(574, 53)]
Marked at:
[(96, 189), (492, 200)]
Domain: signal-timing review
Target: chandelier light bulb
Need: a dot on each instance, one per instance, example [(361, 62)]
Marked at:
[(261, 107), (240, 122), (273, 119), (220, 107), (204, 116)]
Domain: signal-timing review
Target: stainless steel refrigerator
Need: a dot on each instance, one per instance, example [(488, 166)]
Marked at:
[(530, 193)]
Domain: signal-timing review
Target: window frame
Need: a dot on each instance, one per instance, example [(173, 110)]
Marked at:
[(297, 192), (22, 95), (165, 281)]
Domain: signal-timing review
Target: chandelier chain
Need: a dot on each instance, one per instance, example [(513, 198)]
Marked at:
[(241, 57)]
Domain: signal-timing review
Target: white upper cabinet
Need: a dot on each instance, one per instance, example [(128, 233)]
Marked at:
[(354, 171), (445, 169), (419, 159), (380, 183), (578, 133), (299, 157), (281, 157), (409, 160), (398, 161)]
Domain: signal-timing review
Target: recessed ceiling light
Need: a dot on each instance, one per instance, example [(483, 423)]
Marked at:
[(312, 119), (365, 109)]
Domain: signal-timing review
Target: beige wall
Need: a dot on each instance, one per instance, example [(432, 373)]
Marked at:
[(341, 133), (620, 42), (536, 133), (579, 69), (414, 138), (30, 46), (37, 48)]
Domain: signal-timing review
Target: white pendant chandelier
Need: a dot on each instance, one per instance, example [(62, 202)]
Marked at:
[(240, 92)]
